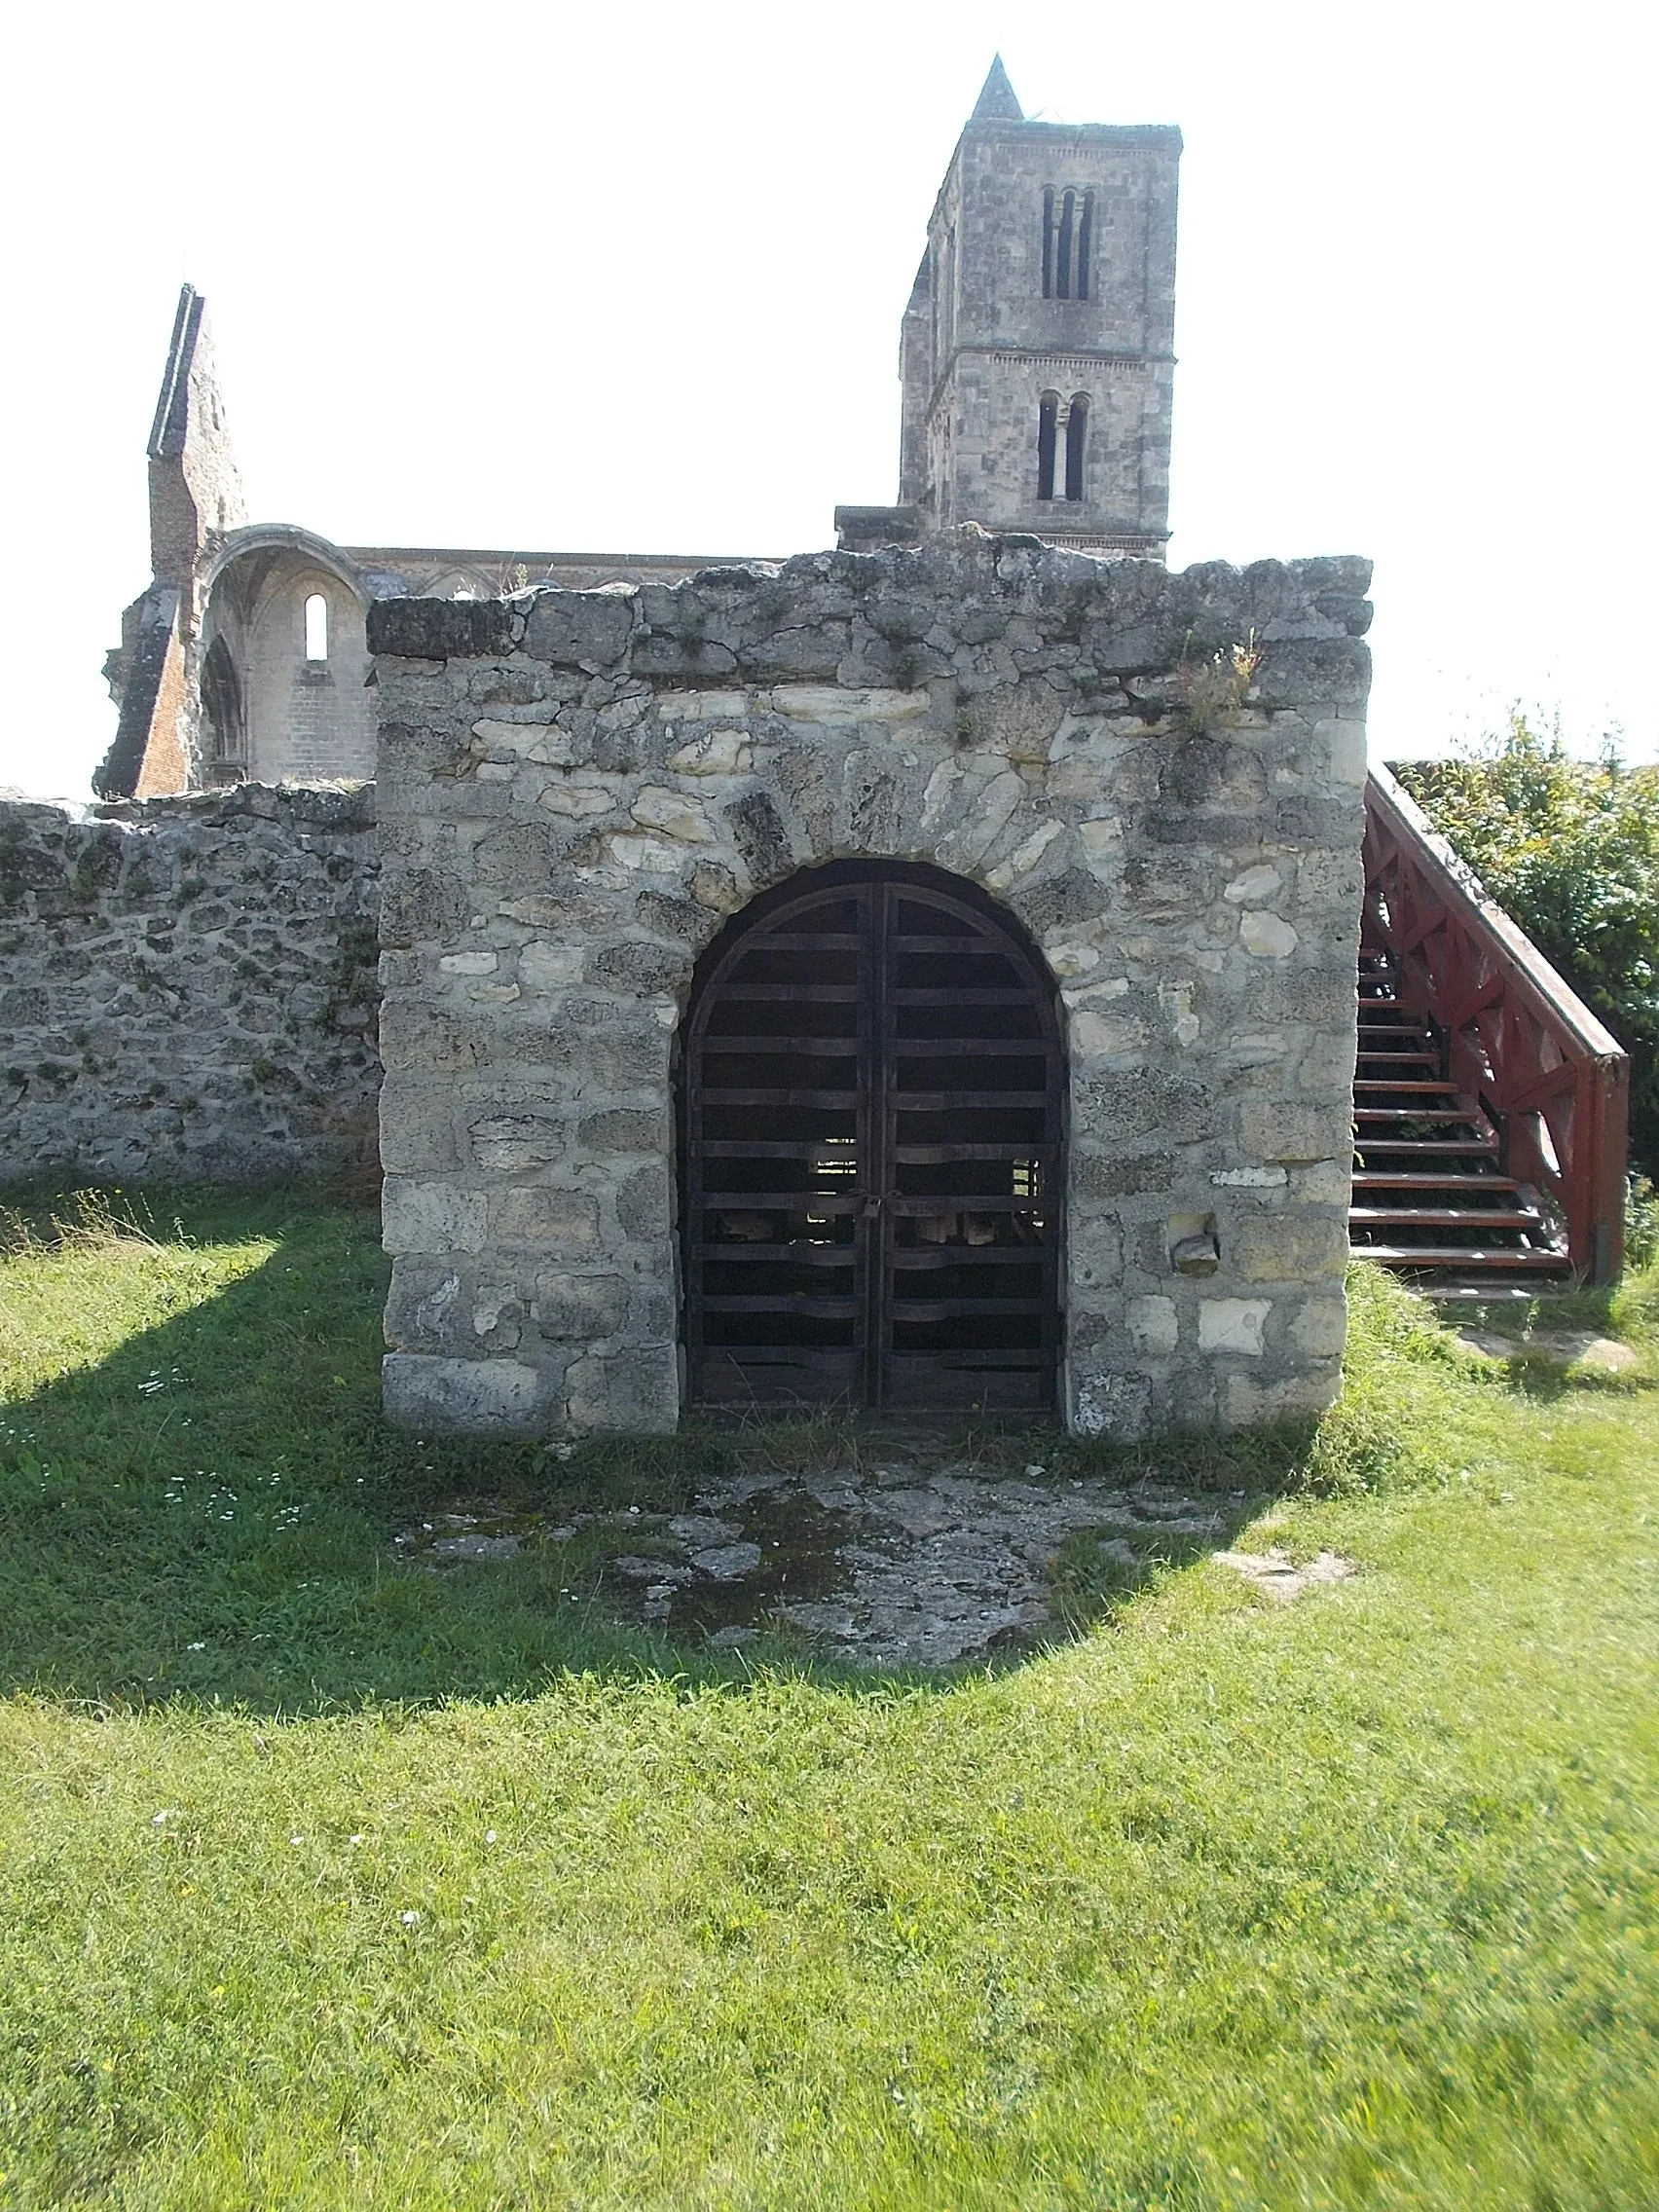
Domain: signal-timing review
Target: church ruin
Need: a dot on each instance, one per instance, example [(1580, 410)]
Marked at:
[(918, 975)]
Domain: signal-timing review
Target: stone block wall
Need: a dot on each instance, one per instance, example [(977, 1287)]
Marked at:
[(188, 986), (577, 790)]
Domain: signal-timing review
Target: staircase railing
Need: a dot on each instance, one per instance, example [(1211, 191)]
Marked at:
[(1554, 1082)]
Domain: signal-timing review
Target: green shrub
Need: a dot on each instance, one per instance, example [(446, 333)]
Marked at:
[(1570, 849)]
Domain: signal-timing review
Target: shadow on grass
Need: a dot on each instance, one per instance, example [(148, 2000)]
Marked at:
[(208, 1513)]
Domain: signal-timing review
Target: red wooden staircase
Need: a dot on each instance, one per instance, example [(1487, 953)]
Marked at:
[(1490, 1103)]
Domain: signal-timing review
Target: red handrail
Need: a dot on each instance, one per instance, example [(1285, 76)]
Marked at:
[(1554, 1082)]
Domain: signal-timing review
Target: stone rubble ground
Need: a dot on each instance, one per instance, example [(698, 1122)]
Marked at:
[(1277, 1576), (899, 1565), (1581, 1349)]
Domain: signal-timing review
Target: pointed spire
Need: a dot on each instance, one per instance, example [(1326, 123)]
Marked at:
[(997, 102)]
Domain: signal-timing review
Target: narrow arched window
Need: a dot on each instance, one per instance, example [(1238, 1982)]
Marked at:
[(316, 627), (222, 706), (1084, 243), (1063, 253), (1048, 429), (1048, 242), (1077, 434)]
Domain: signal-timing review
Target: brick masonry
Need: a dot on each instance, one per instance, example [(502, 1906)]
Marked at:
[(577, 789)]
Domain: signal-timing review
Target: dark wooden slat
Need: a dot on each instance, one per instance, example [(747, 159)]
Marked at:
[(804, 941), (799, 1255), (833, 1101), (966, 1356), (809, 1309), (968, 1047), (903, 942), (947, 994), (908, 1206), (915, 1258), (769, 1148), (942, 1155), (787, 1202), (727, 1046), (958, 1101), (808, 994), (907, 1310)]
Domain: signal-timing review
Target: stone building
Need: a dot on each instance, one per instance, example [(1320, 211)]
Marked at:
[(1036, 370), (918, 975), (916, 978)]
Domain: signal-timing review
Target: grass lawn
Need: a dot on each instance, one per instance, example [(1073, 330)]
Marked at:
[(328, 1881)]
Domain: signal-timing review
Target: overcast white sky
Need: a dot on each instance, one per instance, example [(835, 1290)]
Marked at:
[(629, 279)]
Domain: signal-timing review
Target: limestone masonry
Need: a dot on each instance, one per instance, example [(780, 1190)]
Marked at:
[(576, 789), (913, 975), (188, 989)]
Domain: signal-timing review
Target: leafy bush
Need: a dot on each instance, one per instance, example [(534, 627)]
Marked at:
[(1570, 849)]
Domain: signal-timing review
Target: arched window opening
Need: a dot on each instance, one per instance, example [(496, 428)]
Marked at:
[(1063, 272), (1068, 244), (316, 627), (1077, 435), (222, 709), (1047, 428)]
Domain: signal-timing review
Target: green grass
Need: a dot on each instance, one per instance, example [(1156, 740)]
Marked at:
[(448, 1891)]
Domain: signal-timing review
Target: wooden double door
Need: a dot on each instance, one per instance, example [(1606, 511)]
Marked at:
[(872, 1103)]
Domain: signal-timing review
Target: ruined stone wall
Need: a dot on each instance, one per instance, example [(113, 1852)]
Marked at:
[(576, 789), (188, 986)]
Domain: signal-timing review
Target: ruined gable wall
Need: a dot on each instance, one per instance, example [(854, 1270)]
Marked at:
[(188, 986), (576, 789)]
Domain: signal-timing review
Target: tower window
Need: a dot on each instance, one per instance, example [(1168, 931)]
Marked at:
[(316, 627), (1048, 438), (1077, 433), (1068, 244)]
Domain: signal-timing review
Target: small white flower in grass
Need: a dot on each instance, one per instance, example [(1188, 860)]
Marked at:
[(354, 1839), (196, 1648), (489, 1835), (409, 1919), (296, 1839)]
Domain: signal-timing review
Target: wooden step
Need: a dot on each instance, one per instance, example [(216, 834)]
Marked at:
[(1408, 1083), (1439, 1217), (1405, 1179), (1382, 1114), (1431, 1148), (1455, 1256)]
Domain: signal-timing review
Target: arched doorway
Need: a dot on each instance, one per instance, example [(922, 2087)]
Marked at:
[(871, 1152)]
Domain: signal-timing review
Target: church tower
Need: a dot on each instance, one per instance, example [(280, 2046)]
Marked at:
[(1037, 352)]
